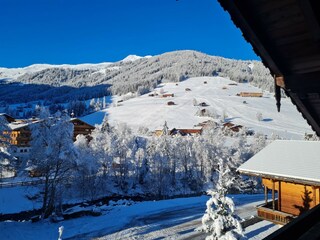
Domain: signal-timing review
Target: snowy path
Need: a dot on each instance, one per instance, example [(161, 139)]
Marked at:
[(173, 223), (166, 219)]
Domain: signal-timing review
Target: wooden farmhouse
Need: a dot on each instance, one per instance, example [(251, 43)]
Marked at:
[(80, 127), (167, 95), (180, 131), (20, 134), (250, 94), (232, 127), (290, 171), (186, 132), (19, 138)]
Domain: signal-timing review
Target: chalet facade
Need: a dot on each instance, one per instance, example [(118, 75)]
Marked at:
[(232, 127), (19, 133), (290, 171), (250, 94), (167, 95), (80, 127), (180, 131)]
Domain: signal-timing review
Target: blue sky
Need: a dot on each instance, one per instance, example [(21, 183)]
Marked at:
[(82, 31)]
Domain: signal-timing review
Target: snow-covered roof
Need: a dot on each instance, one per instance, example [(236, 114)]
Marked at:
[(296, 161), (17, 125)]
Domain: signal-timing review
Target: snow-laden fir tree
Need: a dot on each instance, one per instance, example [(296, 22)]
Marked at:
[(220, 220), (165, 129)]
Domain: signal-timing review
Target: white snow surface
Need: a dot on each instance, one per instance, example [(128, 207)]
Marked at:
[(14, 199), (132, 58), (141, 220), (13, 73), (298, 160), (152, 112)]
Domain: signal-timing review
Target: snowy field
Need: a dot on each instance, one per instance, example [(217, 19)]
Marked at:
[(166, 219), (152, 112)]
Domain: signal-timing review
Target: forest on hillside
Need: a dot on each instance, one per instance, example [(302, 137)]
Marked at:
[(62, 85)]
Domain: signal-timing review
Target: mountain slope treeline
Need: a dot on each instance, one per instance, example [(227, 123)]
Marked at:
[(139, 76)]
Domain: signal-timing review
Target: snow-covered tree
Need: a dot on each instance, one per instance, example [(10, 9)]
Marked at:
[(165, 129), (104, 102), (53, 156), (123, 148), (220, 220), (6, 159), (87, 169)]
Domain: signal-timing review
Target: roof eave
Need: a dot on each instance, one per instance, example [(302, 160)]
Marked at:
[(279, 178)]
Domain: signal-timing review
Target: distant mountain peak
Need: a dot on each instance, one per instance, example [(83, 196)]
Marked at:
[(132, 58)]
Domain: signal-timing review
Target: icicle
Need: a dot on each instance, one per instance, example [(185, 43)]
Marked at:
[(277, 93)]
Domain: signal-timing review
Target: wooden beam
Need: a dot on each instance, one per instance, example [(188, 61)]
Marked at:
[(279, 196), (280, 81), (240, 14), (310, 18), (314, 195), (305, 112), (273, 200), (303, 82), (265, 195)]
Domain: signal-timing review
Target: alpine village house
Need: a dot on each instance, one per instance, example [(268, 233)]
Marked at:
[(20, 134), (289, 170)]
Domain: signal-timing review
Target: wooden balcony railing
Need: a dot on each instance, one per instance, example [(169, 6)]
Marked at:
[(266, 212)]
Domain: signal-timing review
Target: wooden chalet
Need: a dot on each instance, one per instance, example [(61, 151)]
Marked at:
[(185, 132), (290, 171), (231, 126), (180, 131), (250, 94), (20, 134), (80, 127), (286, 35), (167, 95), (19, 138)]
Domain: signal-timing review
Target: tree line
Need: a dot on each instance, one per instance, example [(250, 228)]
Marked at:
[(115, 161)]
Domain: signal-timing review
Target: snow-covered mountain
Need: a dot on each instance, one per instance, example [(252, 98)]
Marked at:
[(58, 83), (221, 103), (132, 58)]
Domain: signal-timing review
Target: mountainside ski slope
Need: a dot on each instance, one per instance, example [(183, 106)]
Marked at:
[(220, 96)]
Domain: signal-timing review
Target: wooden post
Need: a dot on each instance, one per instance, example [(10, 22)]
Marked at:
[(266, 194), (314, 195), (273, 203), (279, 196)]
